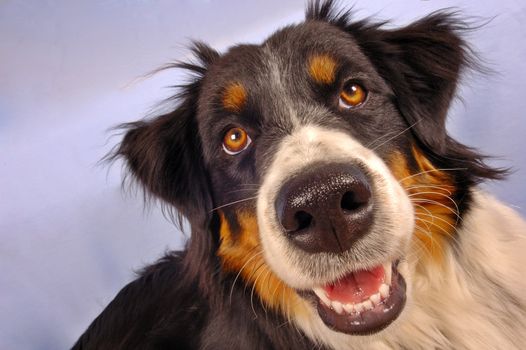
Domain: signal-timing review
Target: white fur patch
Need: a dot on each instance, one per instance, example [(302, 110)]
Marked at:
[(474, 299), (392, 229)]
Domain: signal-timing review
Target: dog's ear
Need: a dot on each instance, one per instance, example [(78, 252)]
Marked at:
[(164, 154), (422, 62)]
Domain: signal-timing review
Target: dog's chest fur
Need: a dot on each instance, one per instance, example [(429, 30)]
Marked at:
[(476, 299)]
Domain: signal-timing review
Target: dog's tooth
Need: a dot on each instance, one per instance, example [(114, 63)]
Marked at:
[(368, 305), (388, 270), (318, 291), (384, 290), (375, 298), (337, 306), (359, 307), (349, 308), (323, 297)]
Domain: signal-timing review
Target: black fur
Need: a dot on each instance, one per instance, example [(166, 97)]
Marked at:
[(184, 301)]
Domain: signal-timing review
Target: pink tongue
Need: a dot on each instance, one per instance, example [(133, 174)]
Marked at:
[(357, 286)]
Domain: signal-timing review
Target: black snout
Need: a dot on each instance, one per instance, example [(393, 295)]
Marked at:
[(326, 208)]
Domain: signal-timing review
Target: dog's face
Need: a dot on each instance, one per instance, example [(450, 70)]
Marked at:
[(297, 134), (320, 164)]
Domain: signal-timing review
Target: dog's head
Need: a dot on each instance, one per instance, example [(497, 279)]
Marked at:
[(319, 163)]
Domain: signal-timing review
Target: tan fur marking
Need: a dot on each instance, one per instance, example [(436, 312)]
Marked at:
[(431, 191), (244, 255), (234, 97), (322, 68)]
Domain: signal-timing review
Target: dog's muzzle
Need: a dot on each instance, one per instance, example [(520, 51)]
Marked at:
[(326, 208)]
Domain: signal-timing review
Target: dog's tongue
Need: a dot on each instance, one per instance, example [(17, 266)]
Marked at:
[(357, 286)]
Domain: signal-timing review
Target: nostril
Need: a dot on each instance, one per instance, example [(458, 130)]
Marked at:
[(303, 220), (351, 202)]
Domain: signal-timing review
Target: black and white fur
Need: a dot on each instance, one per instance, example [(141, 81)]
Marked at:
[(475, 298)]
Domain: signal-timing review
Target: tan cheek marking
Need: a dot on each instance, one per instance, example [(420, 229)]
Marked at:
[(322, 68), (431, 192), (234, 97), (244, 255)]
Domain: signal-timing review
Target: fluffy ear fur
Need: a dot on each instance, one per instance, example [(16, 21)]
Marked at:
[(422, 63), (164, 154)]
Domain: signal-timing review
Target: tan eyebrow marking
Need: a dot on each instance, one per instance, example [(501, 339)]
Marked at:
[(322, 68), (234, 97)]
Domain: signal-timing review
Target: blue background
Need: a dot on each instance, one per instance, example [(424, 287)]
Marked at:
[(70, 238)]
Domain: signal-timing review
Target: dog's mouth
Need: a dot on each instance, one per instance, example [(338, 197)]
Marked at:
[(362, 302)]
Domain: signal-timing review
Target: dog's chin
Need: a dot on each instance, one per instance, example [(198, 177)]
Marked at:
[(362, 302)]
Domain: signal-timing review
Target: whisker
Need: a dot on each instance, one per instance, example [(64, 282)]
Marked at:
[(454, 227), (242, 190), (394, 137), (241, 269), (430, 171), (425, 223), (435, 185), (380, 138), (416, 252), (438, 187), (248, 186), (234, 202), (431, 201), (253, 287), (440, 219), (286, 305), (430, 192), (424, 208), (424, 247), (438, 194), (275, 291), (282, 324), (267, 277), (448, 234)]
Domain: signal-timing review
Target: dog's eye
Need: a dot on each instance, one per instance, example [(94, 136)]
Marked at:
[(352, 95), (235, 141)]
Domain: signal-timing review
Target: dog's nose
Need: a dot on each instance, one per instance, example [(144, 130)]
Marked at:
[(326, 208)]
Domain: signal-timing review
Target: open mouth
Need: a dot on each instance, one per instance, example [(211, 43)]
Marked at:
[(362, 302)]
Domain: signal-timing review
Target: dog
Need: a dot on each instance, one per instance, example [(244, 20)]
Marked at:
[(329, 207)]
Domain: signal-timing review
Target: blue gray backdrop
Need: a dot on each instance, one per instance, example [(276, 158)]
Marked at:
[(69, 70)]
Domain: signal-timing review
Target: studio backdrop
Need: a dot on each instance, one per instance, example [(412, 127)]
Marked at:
[(70, 236)]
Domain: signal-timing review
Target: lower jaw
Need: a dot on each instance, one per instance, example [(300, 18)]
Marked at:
[(369, 321)]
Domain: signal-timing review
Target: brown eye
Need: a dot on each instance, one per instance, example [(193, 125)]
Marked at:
[(235, 141), (352, 95)]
